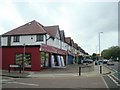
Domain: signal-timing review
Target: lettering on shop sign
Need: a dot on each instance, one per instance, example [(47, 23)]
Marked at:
[(51, 49)]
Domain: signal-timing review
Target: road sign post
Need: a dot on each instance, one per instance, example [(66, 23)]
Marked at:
[(79, 71)]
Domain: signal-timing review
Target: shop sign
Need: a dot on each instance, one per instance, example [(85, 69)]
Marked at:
[(69, 51), (51, 49), (78, 53), (97, 54)]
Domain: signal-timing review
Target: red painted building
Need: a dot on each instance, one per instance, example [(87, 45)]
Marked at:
[(33, 46), (10, 56)]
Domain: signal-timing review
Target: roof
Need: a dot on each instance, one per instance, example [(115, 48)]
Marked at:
[(76, 45), (62, 35), (68, 40), (72, 42), (32, 27), (51, 30)]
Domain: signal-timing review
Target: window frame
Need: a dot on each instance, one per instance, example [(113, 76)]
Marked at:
[(39, 38), (16, 38)]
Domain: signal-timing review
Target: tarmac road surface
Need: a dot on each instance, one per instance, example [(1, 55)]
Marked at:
[(70, 82)]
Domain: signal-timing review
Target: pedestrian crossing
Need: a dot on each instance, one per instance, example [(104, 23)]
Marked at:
[(5, 80)]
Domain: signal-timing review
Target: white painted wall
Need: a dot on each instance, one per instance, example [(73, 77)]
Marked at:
[(27, 40), (55, 43), (4, 41), (50, 42), (23, 39), (57, 35)]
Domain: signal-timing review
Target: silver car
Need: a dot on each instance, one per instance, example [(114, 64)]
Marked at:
[(110, 63)]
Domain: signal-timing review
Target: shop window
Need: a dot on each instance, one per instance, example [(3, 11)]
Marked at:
[(57, 60), (19, 59), (44, 59), (27, 60), (39, 38), (16, 38)]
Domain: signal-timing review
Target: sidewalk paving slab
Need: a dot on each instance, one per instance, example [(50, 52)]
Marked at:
[(71, 70)]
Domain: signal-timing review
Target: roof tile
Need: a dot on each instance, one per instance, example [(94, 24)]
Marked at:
[(32, 27)]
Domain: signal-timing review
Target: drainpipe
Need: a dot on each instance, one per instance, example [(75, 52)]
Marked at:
[(46, 39)]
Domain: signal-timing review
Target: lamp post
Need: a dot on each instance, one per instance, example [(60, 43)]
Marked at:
[(99, 42)]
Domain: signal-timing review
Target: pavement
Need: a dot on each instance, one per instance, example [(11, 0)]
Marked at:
[(72, 70), (67, 77)]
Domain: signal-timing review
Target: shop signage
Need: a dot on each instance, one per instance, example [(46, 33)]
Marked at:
[(14, 66), (51, 49)]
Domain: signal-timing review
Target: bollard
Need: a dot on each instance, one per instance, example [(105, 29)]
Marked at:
[(100, 69), (79, 71)]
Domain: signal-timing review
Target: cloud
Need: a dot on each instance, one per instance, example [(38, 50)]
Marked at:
[(9, 16), (80, 21)]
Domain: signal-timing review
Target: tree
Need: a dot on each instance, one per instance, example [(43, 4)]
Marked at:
[(93, 56), (111, 53)]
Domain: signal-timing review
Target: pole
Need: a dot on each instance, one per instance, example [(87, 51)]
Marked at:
[(96, 49), (9, 68), (24, 58), (99, 42), (100, 69), (79, 71), (20, 68)]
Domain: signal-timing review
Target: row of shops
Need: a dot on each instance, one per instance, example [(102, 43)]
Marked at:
[(36, 47), (36, 58)]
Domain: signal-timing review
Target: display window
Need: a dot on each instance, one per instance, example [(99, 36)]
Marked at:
[(19, 59), (44, 59), (57, 60)]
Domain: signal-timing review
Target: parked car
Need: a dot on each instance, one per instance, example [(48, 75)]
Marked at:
[(88, 61), (100, 60), (110, 62), (105, 61)]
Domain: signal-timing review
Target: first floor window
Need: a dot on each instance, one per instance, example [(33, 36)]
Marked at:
[(39, 38), (16, 38)]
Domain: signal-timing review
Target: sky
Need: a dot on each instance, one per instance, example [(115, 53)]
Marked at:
[(81, 20)]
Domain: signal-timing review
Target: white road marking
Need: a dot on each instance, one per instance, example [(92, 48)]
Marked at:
[(111, 68), (112, 79), (105, 82), (24, 83), (116, 78)]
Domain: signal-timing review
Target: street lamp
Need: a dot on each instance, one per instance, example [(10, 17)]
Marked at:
[(99, 41)]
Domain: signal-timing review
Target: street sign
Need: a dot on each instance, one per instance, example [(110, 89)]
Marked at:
[(97, 54), (14, 66)]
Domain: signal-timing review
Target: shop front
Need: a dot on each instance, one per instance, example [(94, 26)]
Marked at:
[(28, 57), (70, 57), (52, 57)]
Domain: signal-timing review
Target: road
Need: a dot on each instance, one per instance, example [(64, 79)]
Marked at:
[(76, 82), (116, 68), (62, 82), (116, 76)]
